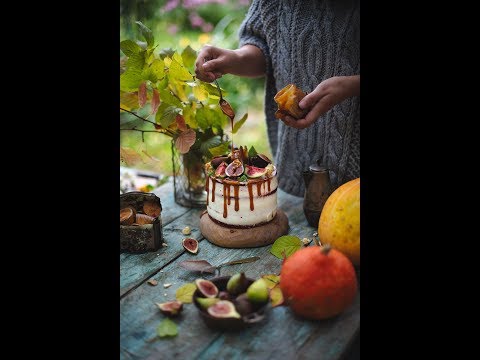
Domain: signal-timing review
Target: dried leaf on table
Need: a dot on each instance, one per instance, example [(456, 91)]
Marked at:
[(276, 296), (185, 293), (286, 245), (271, 280), (198, 265), (167, 328)]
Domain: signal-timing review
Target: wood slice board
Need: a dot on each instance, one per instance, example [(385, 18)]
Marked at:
[(242, 238)]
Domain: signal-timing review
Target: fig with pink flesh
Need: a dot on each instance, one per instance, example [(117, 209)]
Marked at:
[(220, 171), (223, 309), (234, 169), (171, 308), (206, 288), (191, 245), (255, 172)]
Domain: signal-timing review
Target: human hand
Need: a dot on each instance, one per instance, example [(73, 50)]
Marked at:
[(326, 95), (213, 62)]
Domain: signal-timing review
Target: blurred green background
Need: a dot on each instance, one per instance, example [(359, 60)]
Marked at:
[(176, 24)]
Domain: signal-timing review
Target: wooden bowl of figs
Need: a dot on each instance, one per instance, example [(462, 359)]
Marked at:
[(231, 302)]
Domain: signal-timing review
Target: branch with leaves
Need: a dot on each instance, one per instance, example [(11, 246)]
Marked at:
[(182, 106)]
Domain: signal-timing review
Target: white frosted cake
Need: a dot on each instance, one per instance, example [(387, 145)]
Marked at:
[(241, 189)]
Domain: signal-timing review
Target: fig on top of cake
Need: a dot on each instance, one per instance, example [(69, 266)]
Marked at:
[(241, 165)]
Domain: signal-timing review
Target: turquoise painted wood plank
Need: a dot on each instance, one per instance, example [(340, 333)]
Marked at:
[(139, 317), (136, 268)]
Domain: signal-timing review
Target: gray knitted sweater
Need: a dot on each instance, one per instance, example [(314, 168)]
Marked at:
[(304, 43)]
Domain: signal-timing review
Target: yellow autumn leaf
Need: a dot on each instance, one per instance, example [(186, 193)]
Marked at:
[(185, 293)]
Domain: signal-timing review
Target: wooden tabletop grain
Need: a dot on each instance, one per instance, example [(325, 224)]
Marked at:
[(280, 335)]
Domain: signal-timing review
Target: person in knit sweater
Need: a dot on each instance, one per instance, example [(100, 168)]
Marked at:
[(315, 45)]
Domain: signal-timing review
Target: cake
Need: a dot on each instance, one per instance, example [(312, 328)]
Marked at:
[(241, 189)]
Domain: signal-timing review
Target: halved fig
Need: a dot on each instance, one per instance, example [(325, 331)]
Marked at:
[(191, 245), (217, 160), (206, 288), (255, 172), (171, 308), (205, 303), (151, 208), (127, 216), (223, 309), (260, 161), (234, 169), (142, 219), (220, 171)]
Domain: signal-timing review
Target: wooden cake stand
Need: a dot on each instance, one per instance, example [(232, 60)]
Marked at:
[(231, 237)]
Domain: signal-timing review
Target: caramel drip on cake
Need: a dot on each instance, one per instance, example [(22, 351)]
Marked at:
[(228, 193), (250, 194), (206, 187), (213, 191), (268, 181), (235, 195), (259, 188), (225, 187)]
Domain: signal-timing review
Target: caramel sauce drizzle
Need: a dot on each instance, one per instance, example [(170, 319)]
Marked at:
[(268, 181), (213, 190), (206, 187), (250, 194), (259, 188), (235, 195), (225, 196)]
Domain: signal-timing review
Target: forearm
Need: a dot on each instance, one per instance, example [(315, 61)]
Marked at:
[(250, 62)]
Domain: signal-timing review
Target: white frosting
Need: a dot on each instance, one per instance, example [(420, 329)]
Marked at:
[(264, 202)]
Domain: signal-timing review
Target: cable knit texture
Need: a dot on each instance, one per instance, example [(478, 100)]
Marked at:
[(304, 43)]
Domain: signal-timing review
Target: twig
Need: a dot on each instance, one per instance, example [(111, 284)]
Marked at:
[(141, 118), (163, 131)]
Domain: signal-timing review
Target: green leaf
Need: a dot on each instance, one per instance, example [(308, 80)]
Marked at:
[(178, 58), (200, 92), (162, 84), (252, 152), (288, 244), (239, 123), (146, 32), (155, 71), (132, 77), (185, 293), (189, 116), (168, 115), (189, 56), (167, 328), (221, 149), (243, 178), (210, 143), (167, 97), (203, 117), (166, 52), (128, 100), (129, 47), (213, 92), (178, 72)]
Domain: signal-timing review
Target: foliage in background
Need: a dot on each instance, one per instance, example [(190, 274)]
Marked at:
[(176, 25), (180, 106)]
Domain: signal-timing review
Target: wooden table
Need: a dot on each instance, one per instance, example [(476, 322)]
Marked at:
[(280, 335)]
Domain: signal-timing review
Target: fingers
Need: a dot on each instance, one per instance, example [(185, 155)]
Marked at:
[(320, 108), (311, 99), (207, 64)]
